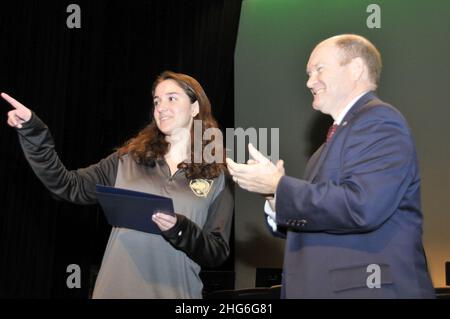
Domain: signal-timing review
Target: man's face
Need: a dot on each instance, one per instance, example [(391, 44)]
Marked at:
[(330, 82)]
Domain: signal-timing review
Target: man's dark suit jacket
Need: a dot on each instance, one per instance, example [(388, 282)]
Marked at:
[(358, 205)]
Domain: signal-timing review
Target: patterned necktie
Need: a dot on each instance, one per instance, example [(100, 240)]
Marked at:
[(331, 132)]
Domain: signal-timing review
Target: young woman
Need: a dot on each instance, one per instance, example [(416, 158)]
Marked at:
[(159, 160)]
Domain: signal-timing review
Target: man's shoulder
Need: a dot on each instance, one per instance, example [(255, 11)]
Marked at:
[(377, 109), (377, 116)]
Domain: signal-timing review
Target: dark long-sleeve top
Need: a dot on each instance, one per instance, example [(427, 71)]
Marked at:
[(138, 264)]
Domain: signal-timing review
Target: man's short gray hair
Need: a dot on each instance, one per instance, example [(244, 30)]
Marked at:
[(354, 46)]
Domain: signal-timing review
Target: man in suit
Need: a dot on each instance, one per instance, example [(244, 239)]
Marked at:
[(353, 225)]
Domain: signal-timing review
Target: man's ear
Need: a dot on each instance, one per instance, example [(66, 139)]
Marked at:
[(358, 68), (195, 109)]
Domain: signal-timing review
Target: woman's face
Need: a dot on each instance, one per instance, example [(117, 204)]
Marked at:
[(173, 108)]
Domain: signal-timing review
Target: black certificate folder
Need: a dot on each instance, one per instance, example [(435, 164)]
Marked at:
[(131, 209)]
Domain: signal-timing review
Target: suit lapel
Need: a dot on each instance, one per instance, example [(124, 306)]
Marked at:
[(315, 167), (364, 100), (312, 163), (317, 163)]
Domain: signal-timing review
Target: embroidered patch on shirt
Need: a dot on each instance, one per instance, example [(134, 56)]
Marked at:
[(201, 187)]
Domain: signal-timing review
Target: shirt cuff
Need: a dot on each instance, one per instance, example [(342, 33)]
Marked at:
[(271, 216), (268, 210)]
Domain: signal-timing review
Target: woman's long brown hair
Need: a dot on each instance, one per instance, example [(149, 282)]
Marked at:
[(150, 143)]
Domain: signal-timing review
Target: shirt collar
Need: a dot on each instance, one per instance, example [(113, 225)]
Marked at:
[(347, 108)]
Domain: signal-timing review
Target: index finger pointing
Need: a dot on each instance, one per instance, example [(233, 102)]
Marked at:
[(14, 103)]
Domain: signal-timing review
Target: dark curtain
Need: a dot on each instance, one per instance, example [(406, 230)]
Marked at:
[(92, 88)]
